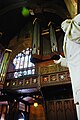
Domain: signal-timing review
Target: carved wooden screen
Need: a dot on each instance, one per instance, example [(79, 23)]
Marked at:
[(61, 110)]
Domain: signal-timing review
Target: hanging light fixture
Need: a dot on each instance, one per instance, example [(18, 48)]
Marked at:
[(35, 104)]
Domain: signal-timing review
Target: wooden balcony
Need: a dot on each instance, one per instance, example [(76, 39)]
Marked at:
[(27, 82), (44, 77), (55, 79)]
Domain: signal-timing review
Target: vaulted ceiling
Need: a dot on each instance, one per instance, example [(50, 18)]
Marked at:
[(12, 20)]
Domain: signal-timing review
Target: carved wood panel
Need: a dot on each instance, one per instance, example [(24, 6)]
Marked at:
[(61, 110), (52, 69)]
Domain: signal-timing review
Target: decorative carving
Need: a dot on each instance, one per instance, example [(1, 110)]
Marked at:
[(62, 76), (34, 80), (20, 82), (27, 82), (53, 78), (68, 75), (52, 69), (13, 83), (44, 79), (8, 83), (61, 110)]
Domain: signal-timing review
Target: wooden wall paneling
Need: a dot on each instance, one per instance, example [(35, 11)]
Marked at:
[(61, 110), (51, 110)]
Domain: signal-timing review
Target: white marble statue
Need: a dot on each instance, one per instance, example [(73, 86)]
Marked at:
[(71, 47)]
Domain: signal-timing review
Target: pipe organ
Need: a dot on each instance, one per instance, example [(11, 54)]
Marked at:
[(44, 42)]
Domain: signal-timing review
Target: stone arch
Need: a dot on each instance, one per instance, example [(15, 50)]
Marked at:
[(18, 46), (22, 41)]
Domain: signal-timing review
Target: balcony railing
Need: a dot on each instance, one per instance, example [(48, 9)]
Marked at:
[(41, 77)]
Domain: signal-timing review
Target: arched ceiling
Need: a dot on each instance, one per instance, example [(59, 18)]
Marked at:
[(12, 21)]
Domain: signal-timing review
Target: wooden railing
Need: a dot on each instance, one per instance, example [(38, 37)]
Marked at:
[(55, 79), (43, 76)]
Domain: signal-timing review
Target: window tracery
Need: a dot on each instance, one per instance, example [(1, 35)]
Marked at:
[(22, 62)]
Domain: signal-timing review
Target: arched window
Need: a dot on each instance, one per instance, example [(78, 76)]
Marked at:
[(22, 64)]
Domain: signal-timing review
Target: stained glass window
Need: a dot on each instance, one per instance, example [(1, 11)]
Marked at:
[(22, 64)]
